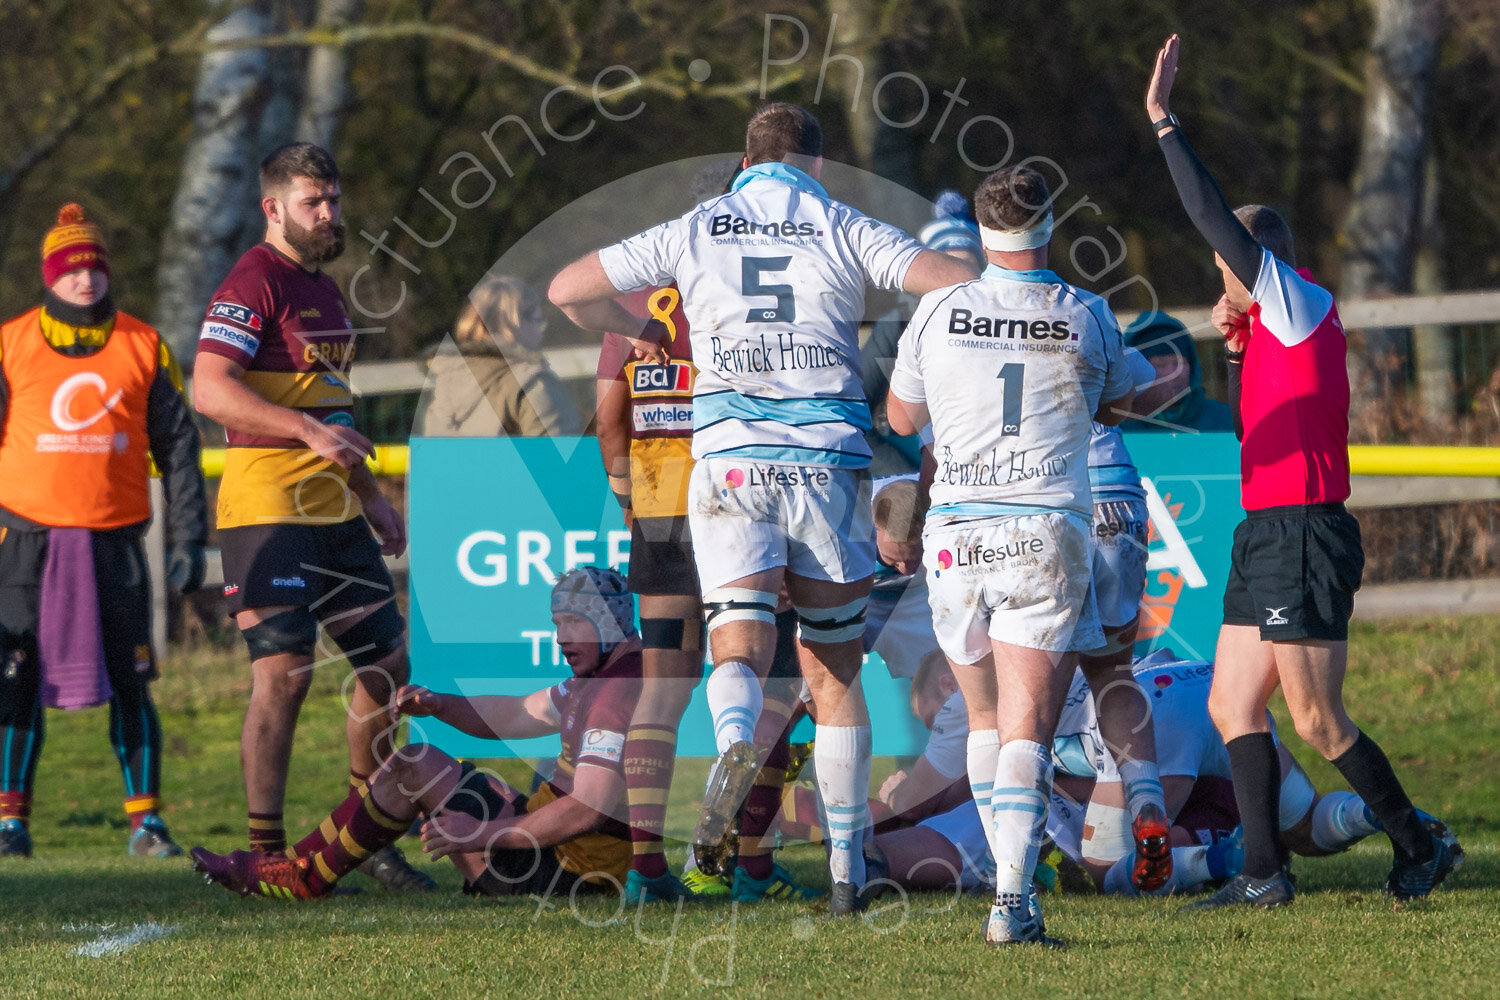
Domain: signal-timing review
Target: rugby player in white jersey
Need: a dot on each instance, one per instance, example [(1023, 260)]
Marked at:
[(1006, 544), (1119, 571), (773, 277)]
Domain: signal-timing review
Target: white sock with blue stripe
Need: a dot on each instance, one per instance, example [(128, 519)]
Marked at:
[(734, 699), (1340, 820), (841, 756), (1023, 785), (1142, 782), (984, 752)]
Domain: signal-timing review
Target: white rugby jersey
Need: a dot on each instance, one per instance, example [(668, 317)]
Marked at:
[(1112, 472), (1011, 368), (773, 279)]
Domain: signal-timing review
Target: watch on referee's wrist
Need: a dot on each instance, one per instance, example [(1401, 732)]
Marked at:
[(1234, 357), (1170, 121)]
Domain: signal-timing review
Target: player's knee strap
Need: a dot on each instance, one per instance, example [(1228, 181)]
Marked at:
[(669, 633), (293, 632), (474, 796), (738, 604), (1297, 797), (840, 624), (374, 637)]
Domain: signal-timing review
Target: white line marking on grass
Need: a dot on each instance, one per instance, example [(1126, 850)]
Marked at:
[(114, 944)]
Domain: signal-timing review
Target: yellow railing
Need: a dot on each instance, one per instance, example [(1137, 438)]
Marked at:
[(1423, 460), (389, 460), (1364, 460)]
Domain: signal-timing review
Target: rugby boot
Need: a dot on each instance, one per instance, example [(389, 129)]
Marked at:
[(252, 874), (151, 840), (1245, 890), (15, 839), (1012, 925), (662, 888), (1153, 849), (732, 779), (778, 885), (700, 883), (1413, 880), (389, 867)]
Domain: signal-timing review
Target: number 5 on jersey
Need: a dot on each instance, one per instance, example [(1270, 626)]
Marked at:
[(751, 270)]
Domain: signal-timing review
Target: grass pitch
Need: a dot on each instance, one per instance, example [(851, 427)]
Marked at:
[(81, 918)]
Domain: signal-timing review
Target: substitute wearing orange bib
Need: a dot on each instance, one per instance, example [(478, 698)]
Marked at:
[(88, 396)]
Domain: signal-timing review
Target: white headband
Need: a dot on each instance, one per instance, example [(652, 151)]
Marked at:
[(1009, 240)]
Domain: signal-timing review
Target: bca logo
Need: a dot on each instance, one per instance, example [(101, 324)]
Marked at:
[(675, 376), (236, 313)]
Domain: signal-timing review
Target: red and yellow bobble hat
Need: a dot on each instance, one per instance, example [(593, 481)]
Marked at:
[(73, 243)]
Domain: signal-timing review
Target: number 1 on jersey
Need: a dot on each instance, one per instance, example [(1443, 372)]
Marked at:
[(1013, 378)]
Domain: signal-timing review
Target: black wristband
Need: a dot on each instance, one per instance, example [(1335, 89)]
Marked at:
[(1162, 123), (623, 499), (1234, 357)]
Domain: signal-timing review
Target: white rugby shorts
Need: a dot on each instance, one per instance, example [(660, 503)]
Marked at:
[(1119, 560), (962, 828), (1022, 580), (749, 516)]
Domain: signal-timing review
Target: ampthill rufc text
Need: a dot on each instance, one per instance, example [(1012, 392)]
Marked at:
[(784, 353)]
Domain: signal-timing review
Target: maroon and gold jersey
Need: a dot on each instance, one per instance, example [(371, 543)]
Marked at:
[(286, 327), (595, 713), (661, 413)]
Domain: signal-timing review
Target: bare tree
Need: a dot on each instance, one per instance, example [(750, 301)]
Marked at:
[(207, 227), (1384, 225), (326, 94)]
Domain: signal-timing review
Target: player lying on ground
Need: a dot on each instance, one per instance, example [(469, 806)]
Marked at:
[(1087, 819), (565, 836)]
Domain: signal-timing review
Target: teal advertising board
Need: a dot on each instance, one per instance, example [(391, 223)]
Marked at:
[(494, 521)]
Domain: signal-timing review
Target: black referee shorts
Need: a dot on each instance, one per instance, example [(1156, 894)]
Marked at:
[(1293, 572)]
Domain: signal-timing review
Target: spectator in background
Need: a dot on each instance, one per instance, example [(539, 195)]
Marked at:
[(497, 381), (1176, 400), (85, 392)]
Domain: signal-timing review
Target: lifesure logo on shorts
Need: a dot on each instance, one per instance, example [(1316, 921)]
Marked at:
[(776, 477), (977, 558)]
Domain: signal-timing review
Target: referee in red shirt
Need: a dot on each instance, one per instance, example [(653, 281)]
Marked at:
[(1297, 558)]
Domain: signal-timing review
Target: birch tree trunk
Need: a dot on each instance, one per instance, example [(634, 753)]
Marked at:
[(208, 223), (326, 93), (1382, 231)]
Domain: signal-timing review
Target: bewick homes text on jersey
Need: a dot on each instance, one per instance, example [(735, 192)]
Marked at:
[(783, 352)]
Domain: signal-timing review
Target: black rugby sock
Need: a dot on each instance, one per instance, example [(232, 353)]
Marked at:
[(1369, 773), (1257, 792)]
